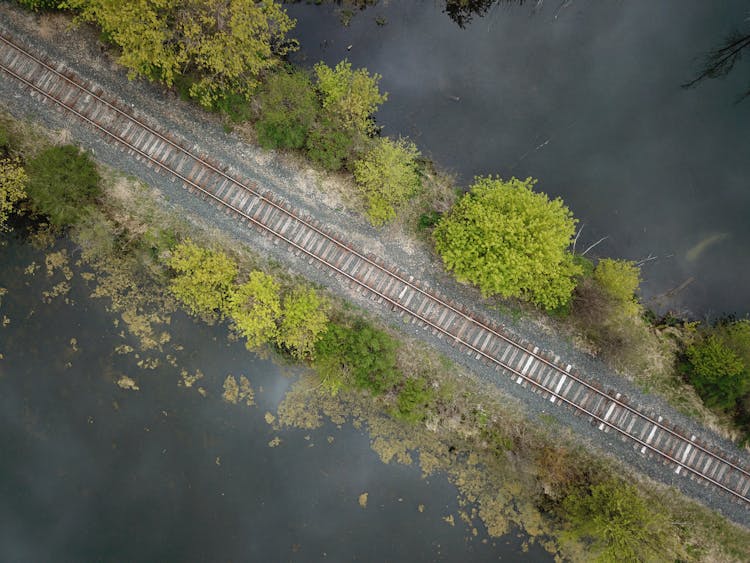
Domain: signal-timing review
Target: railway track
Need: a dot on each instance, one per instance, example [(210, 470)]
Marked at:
[(536, 370)]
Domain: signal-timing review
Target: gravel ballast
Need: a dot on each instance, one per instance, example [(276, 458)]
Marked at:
[(80, 51)]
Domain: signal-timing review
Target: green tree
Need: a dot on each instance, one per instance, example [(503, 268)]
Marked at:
[(617, 521), (289, 107), (303, 321), (358, 356), (226, 44), (13, 180), (349, 96), (204, 279), (328, 145), (387, 175), (255, 307), (619, 280), (510, 241), (717, 373), (63, 182)]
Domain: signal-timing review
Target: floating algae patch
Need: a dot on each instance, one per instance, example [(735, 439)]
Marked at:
[(275, 442), (236, 393), (231, 392), (59, 260), (188, 379), (246, 391), (126, 382)]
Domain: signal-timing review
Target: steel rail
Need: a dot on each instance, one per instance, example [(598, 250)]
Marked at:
[(393, 302), (368, 260)]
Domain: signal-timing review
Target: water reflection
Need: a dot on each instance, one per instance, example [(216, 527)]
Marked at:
[(90, 471)]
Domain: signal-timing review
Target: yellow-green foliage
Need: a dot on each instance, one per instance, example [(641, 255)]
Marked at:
[(618, 523), (13, 180), (387, 176), (204, 280), (349, 96), (228, 44), (303, 320), (619, 280), (255, 306), (510, 241)]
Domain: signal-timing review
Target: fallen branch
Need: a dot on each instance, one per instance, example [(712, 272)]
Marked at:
[(593, 245)]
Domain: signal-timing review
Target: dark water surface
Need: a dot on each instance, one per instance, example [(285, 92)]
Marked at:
[(92, 472), (587, 99)]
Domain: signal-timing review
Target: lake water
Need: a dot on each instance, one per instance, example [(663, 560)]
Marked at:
[(585, 96), (90, 471)]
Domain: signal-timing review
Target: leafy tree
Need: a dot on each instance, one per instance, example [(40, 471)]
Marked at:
[(617, 521), (288, 109), (606, 310), (349, 96), (619, 280), (226, 44), (63, 181), (328, 145), (13, 180), (255, 306), (388, 175), (510, 241), (204, 279), (717, 373), (303, 320), (358, 356)]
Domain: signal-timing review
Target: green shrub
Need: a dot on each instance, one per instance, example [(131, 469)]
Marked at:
[(255, 307), (349, 96), (415, 399), (428, 220), (358, 356), (617, 522), (63, 181), (619, 280), (204, 280), (717, 373), (388, 176), (328, 145), (13, 183), (38, 5), (289, 107), (303, 321)]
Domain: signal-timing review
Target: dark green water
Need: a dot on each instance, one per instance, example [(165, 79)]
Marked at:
[(585, 96), (92, 472)]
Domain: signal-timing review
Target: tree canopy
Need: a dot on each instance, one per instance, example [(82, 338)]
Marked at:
[(289, 108), (387, 175), (348, 96), (13, 180), (226, 44), (510, 241), (717, 372), (303, 320), (204, 280), (358, 356), (63, 181), (255, 306), (617, 521)]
